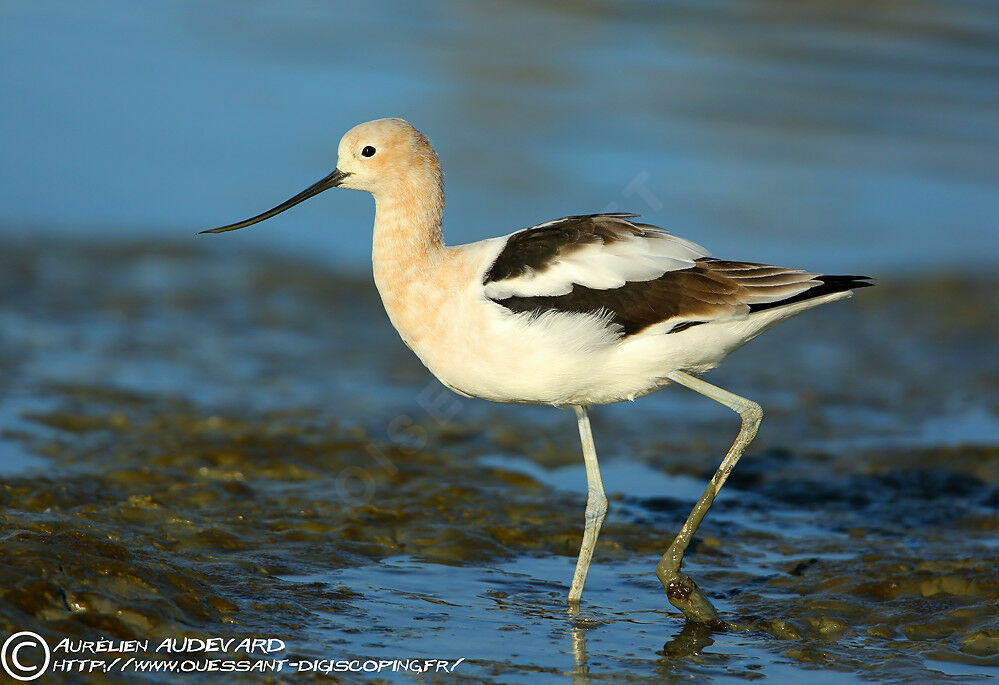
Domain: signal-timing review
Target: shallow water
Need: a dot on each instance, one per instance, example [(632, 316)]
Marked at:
[(241, 446)]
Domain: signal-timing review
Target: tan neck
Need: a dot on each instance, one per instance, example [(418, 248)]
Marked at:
[(407, 249), (407, 227)]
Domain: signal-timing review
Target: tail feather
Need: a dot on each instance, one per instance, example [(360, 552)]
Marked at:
[(826, 286)]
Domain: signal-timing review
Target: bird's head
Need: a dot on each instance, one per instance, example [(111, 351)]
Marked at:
[(380, 154), (381, 157)]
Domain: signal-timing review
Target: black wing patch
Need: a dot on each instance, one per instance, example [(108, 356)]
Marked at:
[(712, 289), (534, 249)]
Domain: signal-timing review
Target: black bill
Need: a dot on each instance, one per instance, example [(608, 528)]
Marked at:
[(331, 181)]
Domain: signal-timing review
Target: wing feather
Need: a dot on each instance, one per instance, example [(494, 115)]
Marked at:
[(636, 276), (597, 251)]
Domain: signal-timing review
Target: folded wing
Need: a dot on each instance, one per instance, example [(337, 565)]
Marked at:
[(638, 276)]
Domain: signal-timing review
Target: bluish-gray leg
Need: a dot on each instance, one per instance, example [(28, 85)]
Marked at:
[(596, 507), (682, 592)]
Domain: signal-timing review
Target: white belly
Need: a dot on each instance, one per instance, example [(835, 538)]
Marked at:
[(482, 350), (486, 351)]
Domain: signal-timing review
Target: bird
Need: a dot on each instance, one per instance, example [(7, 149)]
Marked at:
[(584, 310)]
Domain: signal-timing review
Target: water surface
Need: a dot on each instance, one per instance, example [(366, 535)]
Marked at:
[(835, 136), (242, 446)]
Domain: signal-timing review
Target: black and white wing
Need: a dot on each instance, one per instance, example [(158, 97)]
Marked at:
[(638, 275)]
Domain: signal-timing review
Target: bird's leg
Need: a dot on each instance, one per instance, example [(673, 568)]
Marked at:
[(682, 592), (596, 508)]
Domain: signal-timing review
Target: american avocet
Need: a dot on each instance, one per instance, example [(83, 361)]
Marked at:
[(578, 311)]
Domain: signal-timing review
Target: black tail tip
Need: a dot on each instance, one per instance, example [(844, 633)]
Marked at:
[(827, 286), (837, 283)]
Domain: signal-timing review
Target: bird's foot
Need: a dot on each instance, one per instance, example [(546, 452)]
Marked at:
[(684, 594)]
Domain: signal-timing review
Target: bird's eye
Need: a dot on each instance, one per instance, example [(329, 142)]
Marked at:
[(368, 151)]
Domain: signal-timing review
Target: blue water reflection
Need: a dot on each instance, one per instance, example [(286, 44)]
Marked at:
[(827, 135)]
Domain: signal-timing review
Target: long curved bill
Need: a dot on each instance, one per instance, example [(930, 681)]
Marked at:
[(331, 181)]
